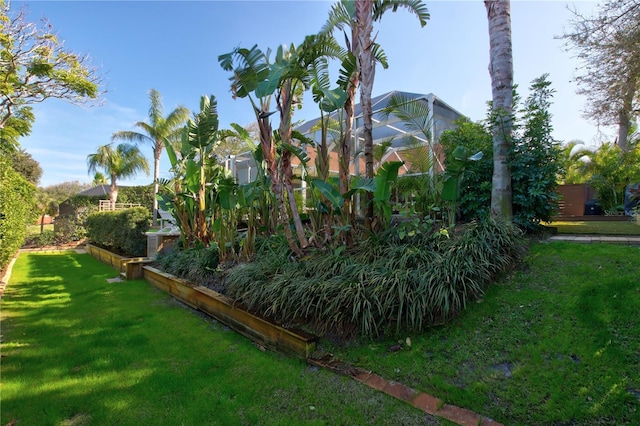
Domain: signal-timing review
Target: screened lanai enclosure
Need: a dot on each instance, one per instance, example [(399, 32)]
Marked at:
[(393, 140)]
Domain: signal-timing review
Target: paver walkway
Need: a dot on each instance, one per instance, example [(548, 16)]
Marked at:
[(588, 239)]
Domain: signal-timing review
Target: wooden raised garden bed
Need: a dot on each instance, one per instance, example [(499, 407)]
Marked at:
[(260, 330), (114, 260)]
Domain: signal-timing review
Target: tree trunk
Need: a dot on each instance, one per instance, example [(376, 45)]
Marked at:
[(366, 65), (113, 192), (269, 155), (157, 152), (287, 171), (501, 71), (624, 114), (345, 146)]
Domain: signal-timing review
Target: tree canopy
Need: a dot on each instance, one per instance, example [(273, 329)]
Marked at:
[(608, 43), (34, 66), (124, 161)]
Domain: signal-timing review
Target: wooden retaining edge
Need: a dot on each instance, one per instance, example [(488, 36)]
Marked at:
[(260, 330), (114, 260)]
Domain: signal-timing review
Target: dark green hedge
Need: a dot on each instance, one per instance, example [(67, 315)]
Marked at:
[(121, 231), (16, 210)]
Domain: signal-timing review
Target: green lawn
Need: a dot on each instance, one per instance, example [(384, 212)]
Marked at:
[(33, 230), (557, 342), (77, 350), (596, 227)]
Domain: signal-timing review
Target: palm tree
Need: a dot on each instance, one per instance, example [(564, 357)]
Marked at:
[(123, 162), (574, 158), (46, 205), (99, 179), (359, 17), (155, 131), (501, 70)]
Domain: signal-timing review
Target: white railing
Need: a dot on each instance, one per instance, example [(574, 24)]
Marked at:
[(106, 205)]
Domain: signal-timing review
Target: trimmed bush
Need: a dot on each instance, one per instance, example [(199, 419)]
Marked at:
[(121, 231), (385, 284), (16, 210), (46, 238)]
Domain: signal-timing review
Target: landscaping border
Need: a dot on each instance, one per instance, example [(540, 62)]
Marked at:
[(116, 261), (260, 330)]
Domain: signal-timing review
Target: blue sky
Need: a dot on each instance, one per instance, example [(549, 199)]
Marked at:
[(172, 46)]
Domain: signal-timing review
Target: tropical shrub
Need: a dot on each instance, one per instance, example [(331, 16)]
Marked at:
[(386, 284), (610, 170), (534, 160), (69, 228), (193, 264), (16, 210), (45, 238), (121, 231)]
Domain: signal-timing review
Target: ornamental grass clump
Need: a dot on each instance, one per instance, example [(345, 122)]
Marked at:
[(194, 264), (386, 284)]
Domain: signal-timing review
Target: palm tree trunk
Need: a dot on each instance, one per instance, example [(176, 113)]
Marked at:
[(501, 71), (366, 64), (113, 192)]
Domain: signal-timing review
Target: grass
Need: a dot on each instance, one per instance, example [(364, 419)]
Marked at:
[(596, 227), (33, 230), (555, 343), (78, 350)]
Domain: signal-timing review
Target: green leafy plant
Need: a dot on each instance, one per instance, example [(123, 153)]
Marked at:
[(16, 210), (45, 238), (121, 231), (610, 170), (193, 264), (387, 283), (534, 162), (200, 186)]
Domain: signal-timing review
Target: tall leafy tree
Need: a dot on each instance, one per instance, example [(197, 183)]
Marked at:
[(99, 179), (34, 66), (501, 71), (124, 161), (534, 159), (45, 204), (62, 191), (608, 43), (261, 81), (237, 145), (27, 166), (359, 65), (155, 131)]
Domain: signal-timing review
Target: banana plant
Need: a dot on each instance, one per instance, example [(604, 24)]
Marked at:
[(197, 176), (386, 176), (255, 77), (452, 177)]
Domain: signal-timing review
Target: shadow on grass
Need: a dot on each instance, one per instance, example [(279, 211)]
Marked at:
[(78, 350)]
